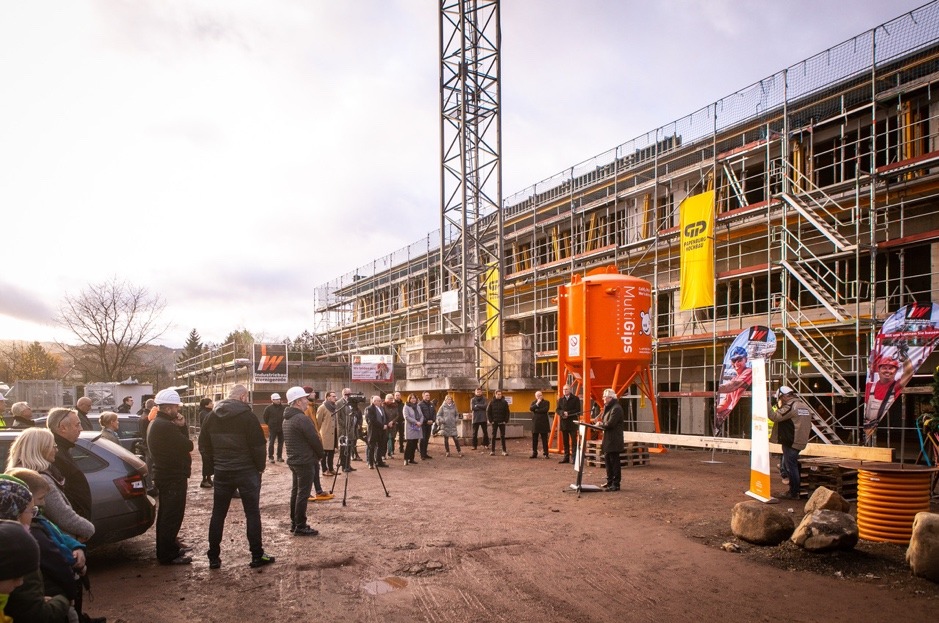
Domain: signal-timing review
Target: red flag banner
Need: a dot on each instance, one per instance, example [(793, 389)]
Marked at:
[(904, 342)]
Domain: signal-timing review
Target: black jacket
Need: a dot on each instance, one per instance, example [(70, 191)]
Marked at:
[(478, 407), (303, 443), (274, 417), (572, 406), (231, 439), (376, 420), (76, 488), (539, 416), (612, 421), (169, 446), (426, 408), (498, 411)]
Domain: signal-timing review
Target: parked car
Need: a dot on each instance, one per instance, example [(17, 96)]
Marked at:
[(120, 506), (128, 429)]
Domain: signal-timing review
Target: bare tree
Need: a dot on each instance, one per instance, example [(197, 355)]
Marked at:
[(112, 322)]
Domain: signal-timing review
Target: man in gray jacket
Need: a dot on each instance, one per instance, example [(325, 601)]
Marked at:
[(304, 451), (232, 442), (793, 425)]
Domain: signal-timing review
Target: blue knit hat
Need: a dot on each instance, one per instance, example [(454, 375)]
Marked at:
[(14, 497)]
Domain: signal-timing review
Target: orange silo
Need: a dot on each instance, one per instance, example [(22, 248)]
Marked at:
[(605, 335)]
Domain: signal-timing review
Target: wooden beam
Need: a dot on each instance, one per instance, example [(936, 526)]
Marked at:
[(862, 453)]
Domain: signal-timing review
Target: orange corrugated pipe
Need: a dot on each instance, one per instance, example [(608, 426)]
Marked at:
[(888, 502)]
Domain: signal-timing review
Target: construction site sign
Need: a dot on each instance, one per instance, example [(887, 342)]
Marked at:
[(270, 363), (373, 368)]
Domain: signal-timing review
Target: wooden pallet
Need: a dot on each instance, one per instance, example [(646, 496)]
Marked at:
[(815, 472), (633, 455)]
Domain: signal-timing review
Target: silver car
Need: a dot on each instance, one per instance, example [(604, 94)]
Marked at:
[(120, 506)]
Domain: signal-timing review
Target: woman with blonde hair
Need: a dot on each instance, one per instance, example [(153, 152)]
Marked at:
[(35, 449), (109, 426), (447, 418)]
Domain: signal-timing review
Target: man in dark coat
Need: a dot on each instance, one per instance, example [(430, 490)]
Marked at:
[(66, 428), (478, 404), (233, 443), (569, 410), (82, 408), (304, 452), (426, 409), (126, 404), (395, 418), (169, 444), (377, 420), (274, 418), (497, 412), (540, 426), (611, 421)]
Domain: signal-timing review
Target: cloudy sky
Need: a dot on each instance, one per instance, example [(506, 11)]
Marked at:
[(231, 155)]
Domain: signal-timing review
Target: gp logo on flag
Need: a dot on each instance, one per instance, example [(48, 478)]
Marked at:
[(270, 363)]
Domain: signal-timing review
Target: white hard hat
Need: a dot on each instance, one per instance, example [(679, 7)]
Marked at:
[(296, 392), (275, 396), (167, 397), (782, 391)]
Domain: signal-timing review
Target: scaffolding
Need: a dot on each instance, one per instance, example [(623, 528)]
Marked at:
[(827, 182)]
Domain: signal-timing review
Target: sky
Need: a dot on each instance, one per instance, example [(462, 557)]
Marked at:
[(232, 155)]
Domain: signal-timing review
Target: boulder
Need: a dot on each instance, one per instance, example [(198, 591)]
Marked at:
[(826, 499), (923, 552), (760, 524), (826, 530)]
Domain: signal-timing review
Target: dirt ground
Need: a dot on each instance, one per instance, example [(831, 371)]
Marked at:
[(504, 539)]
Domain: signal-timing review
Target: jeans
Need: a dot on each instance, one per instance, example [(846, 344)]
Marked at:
[(476, 427), (446, 443), (248, 484), (790, 464), (498, 427), (300, 493), (279, 436), (425, 438), (614, 470), (172, 507)]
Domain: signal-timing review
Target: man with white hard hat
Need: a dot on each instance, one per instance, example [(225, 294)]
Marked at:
[(304, 452), (170, 447)]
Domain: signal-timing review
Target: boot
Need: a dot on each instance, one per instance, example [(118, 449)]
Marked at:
[(566, 459)]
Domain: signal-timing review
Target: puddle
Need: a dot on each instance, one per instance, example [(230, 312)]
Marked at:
[(385, 585)]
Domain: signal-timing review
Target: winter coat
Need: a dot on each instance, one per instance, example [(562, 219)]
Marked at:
[(612, 421), (110, 435), (58, 510), (232, 439), (539, 416), (447, 418), (27, 603), (572, 406), (76, 487), (303, 443), (326, 419), (169, 446), (800, 416), (376, 418), (274, 417), (413, 422), (478, 407), (498, 411)]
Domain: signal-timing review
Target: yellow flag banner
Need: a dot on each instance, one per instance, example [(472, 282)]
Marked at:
[(492, 284), (697, 251)]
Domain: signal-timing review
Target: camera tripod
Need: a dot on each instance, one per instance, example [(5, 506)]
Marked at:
[(346, 446)]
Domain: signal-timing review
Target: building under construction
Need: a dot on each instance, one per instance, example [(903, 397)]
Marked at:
[(826, 177)]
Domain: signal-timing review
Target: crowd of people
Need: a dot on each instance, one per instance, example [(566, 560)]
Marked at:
[(45, 499)]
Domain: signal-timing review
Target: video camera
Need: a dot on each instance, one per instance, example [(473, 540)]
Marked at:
[(355, 399)]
